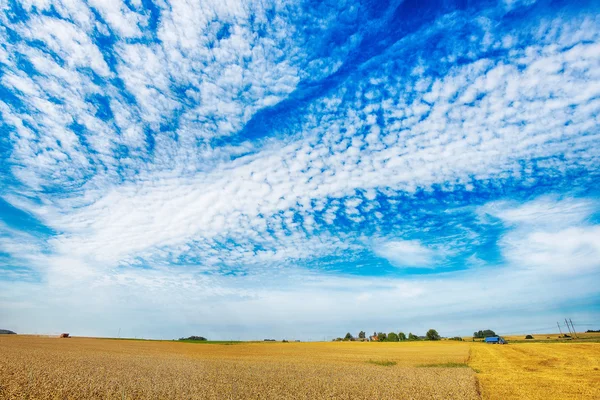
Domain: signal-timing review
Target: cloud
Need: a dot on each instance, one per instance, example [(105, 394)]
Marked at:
[(255, 151), (551, 235), (406, 253)]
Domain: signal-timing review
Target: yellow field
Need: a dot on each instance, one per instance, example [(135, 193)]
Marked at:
[(538, 370), (79, 368), (84, 368)]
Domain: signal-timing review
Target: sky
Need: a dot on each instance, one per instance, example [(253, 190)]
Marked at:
[(298, 169)]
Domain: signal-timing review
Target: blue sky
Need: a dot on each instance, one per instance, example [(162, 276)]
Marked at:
[(241, 170)]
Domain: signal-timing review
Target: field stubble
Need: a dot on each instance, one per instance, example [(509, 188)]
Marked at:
[(85, 368)]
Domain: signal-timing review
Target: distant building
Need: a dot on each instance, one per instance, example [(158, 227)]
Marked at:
[(374, 338), (494, 340), (64, 335)]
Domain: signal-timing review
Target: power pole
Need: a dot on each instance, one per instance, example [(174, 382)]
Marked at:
[(566, 323), (557, 324), (573, 327)]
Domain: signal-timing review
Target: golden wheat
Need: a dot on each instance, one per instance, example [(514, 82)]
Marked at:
[(81, 368), (84, 368), (538, 370)]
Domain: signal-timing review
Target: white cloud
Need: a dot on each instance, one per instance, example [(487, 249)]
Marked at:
[(571, 250), (406, 253), (120, 18), (550, 234), (550, 211), (150, 189)]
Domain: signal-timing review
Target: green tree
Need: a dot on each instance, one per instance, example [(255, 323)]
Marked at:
[(401, 336), (484, 334), (348, 336), (412, 337), (361, 335), (382, 336), (392, 337), (432, 334)]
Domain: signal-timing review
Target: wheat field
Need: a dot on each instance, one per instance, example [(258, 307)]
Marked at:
[(537, 370), (85, 368), (81, 368)]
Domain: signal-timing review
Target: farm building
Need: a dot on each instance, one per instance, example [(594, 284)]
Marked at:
[(495, 340), (64, 335)]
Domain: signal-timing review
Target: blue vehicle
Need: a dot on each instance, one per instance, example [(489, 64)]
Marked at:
[(494, 340)]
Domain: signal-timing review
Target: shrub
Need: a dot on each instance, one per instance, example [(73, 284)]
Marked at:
[(528, 337)]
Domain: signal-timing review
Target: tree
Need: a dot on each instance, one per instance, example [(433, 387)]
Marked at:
[(412, 337), (483, 334), (432, 334), (401, 336), (382, 336), (392, 337), (348, 336), (528, 337), (361, 335)]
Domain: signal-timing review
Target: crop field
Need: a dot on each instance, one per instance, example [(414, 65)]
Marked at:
[(84, 368), (79, 368), (538, 370)]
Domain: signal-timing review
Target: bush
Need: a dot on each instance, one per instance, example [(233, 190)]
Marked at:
[(528, 337)]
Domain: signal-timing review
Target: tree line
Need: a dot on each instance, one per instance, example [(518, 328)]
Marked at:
[(197, 338), (431, 334)]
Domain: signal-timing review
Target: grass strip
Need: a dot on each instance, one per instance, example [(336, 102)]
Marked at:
[(383, 363)]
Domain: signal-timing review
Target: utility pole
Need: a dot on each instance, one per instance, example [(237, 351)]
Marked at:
[(557, 324), (566, 323), (573, 327)]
